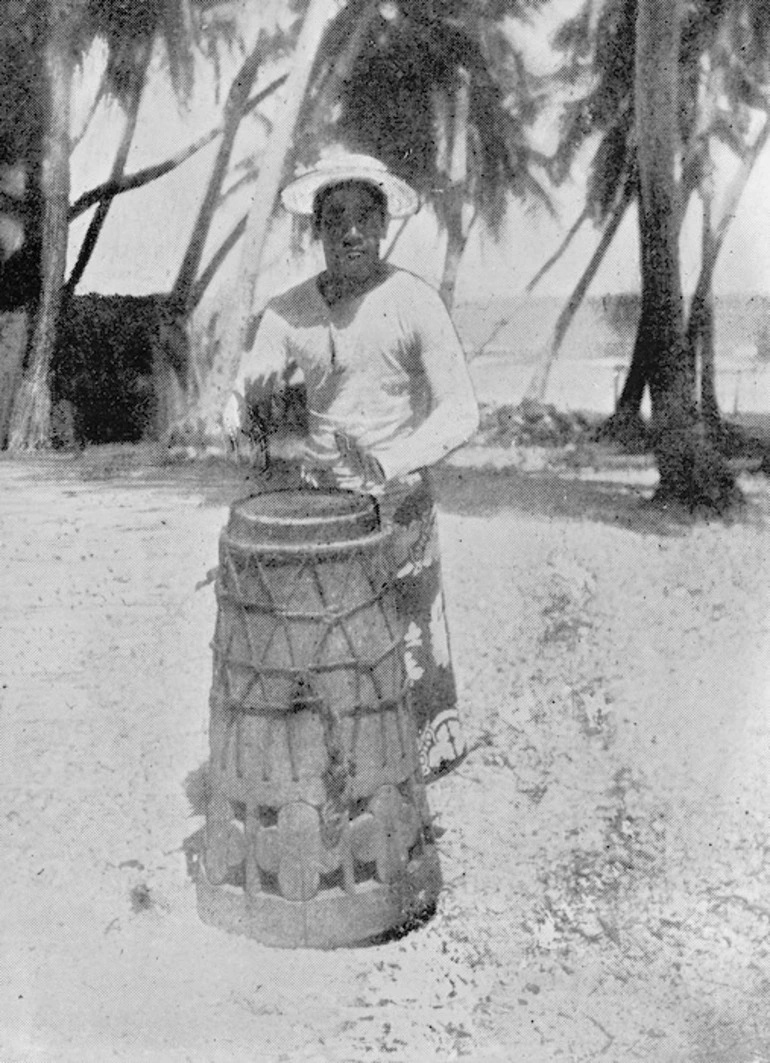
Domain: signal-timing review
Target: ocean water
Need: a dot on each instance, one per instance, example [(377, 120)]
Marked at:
[(506, 340), (592, 385)]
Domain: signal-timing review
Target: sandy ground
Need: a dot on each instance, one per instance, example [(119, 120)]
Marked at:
[(605, 848)]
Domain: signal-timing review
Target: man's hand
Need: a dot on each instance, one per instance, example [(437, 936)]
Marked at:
[(360, 462), (247, 442)]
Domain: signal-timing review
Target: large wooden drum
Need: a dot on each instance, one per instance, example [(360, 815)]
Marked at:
[(317, 827)]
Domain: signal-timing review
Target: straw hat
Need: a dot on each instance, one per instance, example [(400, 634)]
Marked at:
[(335, 166)]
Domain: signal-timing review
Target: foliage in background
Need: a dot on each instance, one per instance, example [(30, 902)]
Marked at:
[(724, 80), (60, 33), (439, 91)]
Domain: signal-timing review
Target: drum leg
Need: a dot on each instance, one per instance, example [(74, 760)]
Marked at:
[(218, 810), (347, 862), (253, 881)]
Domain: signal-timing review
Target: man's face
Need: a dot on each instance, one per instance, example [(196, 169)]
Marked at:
[(351, 229)]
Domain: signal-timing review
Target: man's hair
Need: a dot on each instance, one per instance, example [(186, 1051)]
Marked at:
[(320, 198)]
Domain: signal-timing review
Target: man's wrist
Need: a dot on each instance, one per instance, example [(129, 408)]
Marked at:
[(393, 464)]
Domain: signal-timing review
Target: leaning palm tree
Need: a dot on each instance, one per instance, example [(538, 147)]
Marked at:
[(62, 31), (21, 123), (663, 98), (722, 81), (201, 420), (31, 409)]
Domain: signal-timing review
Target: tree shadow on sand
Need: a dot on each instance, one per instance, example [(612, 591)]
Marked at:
[(564, 496), (617, 492)]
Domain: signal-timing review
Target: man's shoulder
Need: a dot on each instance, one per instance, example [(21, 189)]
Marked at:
[(299, 304), (412, 294), (410, 284)]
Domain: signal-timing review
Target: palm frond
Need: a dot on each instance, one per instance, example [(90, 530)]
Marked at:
[(732, 130), (614, 160), (128, 27), (421, 56), (573, 37), (576, 125)]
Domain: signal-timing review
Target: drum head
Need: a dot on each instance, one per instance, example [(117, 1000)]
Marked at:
[(303, 516)]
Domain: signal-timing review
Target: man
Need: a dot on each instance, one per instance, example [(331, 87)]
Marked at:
[(388, 396)]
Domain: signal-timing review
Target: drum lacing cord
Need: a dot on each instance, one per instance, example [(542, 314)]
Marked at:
[(331, 619), (328, 614), (236, 708), (337, 779), (347, 664), (338, 774)]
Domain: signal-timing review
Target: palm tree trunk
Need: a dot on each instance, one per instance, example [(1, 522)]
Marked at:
[(708, 395), (30, 421), (203, 421), (141, 177), (388, 252), (118, 170), (627, 416), (699, 336), (536, 389), (271, 171), (454, 196), (690, 472), (626, 422), (14, 339), (700, 326), (457, 237), (198, 289), (657, 74), (151, 173), (99, 95), (237, 98), (216, 260), (560, 250)]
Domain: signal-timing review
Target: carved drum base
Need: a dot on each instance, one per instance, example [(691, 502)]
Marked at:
[(334, 918)]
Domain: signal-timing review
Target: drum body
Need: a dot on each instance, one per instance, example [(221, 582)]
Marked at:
[(317, 826)]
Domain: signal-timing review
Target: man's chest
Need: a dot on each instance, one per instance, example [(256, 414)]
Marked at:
[(378, 350)]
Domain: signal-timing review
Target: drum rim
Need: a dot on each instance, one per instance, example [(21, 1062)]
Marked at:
[(366, 503), (359, 518), (363, 544)]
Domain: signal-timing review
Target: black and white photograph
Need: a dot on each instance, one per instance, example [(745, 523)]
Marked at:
[(384, 531)]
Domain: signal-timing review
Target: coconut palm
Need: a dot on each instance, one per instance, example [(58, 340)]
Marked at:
[(722, 88), (722, 68), (31, 410), (315, 23), (133, 99), (21, 121), (691, 471), (439, 93), (61, 32)]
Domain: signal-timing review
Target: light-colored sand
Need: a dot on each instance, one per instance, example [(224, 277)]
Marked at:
[(607, 845)]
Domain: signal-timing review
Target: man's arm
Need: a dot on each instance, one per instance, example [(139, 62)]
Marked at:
[(454, 413), (262, 366)]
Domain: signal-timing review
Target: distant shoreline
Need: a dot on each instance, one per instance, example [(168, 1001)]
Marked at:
[(521, 328), (593, 384)]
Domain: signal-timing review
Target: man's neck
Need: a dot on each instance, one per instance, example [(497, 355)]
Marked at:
[(335, 288)]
